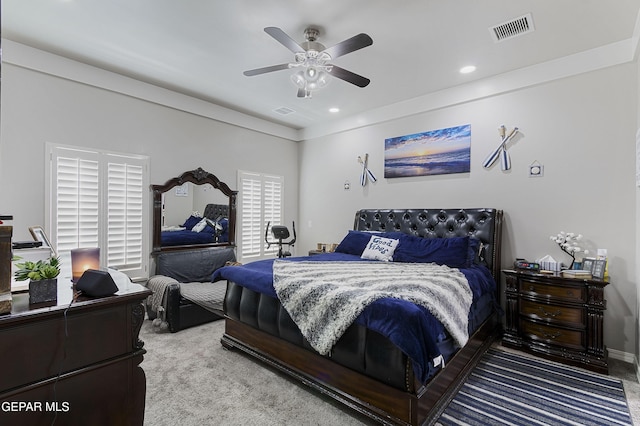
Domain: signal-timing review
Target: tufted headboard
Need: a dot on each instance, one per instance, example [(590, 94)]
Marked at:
[(483, 224), (216, 211)]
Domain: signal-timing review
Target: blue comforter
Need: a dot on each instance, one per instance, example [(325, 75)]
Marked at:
[(186, 237), (410, 327)]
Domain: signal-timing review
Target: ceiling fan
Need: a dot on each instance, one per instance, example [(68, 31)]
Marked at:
[(313, 59)]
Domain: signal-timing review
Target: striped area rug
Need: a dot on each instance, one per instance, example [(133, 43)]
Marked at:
[(510, 389)]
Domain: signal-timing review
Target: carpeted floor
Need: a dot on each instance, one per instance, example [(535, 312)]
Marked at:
[(192, 380)]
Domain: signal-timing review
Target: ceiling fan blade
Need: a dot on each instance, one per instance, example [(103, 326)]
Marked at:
[(349, 76), (284, 39), (349, 45), (264, 70)]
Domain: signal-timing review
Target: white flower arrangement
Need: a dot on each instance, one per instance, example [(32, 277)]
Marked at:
[(568, 243)]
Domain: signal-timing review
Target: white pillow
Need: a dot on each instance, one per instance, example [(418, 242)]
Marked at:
[(380, 248), (199, 226)]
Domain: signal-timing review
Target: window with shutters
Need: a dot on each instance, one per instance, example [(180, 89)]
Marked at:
[(99, 199), (261, 203)]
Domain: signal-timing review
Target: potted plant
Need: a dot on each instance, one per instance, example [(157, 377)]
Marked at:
[(43, 276)]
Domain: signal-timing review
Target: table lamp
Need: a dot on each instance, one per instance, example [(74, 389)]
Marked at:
[(83, 259)]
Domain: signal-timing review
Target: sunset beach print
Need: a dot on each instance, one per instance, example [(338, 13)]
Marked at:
[(435, 152)]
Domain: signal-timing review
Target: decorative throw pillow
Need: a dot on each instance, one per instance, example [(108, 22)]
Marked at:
[(380, 248), (356, 241), (200, 226), (191, 222)]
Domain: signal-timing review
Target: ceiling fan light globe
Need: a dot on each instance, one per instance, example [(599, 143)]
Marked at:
[(311, 74), (299, 80), (323, 79)]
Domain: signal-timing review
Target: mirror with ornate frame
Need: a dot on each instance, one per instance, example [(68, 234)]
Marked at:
[(175, 203)]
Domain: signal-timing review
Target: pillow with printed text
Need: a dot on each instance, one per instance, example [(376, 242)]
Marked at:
[(380, 248)]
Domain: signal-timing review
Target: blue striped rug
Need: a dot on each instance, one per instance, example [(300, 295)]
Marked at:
[(510, 389)]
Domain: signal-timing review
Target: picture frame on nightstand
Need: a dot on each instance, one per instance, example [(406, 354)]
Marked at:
[(595, 266), (598, 268), (587, 264), (38, 234)]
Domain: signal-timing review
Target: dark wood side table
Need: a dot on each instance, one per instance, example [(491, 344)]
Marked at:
[(80, 362), (556, 317)]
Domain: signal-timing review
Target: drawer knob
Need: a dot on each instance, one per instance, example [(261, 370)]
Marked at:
[(532, 288), (549, 314)]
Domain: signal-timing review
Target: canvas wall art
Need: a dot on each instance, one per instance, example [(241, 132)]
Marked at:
[(434, 152)]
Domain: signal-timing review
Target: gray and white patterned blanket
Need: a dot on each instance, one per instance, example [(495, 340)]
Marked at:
[(208, 295), (324, 298)]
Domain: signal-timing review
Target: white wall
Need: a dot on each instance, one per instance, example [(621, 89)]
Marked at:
[(582, 129), (38, 107)]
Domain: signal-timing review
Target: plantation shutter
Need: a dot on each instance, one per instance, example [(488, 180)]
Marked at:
[(250, 207), (261, 201), (77, 211), (125, 221), (272, 206), (98, 199)]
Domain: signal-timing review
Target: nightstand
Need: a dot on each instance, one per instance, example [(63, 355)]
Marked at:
[(556, 317), (312, 252)]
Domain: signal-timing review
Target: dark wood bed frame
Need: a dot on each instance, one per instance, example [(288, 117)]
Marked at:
[(383, 403)]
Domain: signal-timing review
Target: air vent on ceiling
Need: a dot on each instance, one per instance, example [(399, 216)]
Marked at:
[(513, 28), (284, 110)]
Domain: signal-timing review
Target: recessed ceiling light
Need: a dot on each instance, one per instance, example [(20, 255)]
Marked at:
[(334, 109), (467, 69)]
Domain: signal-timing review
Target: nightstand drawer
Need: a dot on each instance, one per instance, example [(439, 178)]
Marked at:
[(553, 313), (574, 339), (573, 294)]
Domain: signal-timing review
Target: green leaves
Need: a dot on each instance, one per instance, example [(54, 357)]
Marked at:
[(36, 271)]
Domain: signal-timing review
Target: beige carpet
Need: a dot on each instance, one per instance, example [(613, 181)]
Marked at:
[(193, 380)]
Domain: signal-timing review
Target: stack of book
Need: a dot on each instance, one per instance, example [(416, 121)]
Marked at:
[(576, 273)]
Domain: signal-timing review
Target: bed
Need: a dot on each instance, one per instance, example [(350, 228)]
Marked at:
[(398, 362), (211, 227)]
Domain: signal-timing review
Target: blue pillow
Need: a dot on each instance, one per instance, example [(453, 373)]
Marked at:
[(453, 252), (475, 256), (356, 241), (191, 222)]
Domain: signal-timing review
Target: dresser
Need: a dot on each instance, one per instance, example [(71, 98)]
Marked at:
[(76, 362), (556, 317)]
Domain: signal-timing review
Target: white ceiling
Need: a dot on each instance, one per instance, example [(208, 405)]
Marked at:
[(201, 47)]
